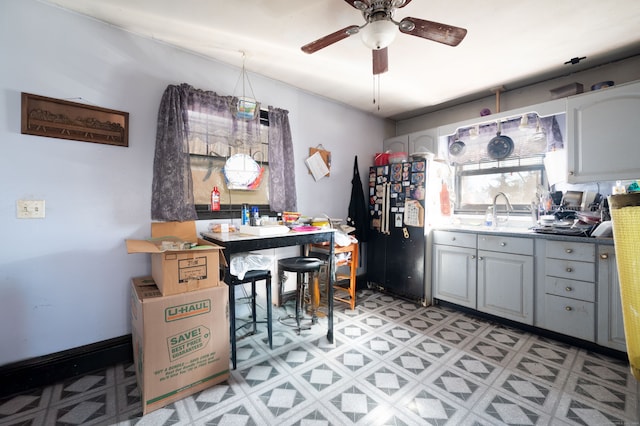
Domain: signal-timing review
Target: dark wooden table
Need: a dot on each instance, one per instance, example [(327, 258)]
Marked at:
[(234, 242)]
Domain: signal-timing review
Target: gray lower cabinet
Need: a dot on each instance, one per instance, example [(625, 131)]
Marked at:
[(568, 296), (569, 287), (610, 319), (454, 267), (505, 277)]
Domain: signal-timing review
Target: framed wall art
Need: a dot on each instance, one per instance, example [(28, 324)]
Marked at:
[(56, 118)]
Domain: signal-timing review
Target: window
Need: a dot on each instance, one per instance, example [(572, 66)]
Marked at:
[(477, 185), (478, 178), (209, 149), (183, 110)]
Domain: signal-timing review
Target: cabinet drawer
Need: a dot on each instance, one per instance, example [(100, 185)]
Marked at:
[(580, 290), (584, 271), (511, 245), (572, 317), (452, 238), (570, 250)]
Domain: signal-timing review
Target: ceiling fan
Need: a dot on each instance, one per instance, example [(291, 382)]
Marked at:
[(379, 30)]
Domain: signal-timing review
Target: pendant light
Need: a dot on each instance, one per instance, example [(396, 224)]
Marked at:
[(247, 108), (241, 171)]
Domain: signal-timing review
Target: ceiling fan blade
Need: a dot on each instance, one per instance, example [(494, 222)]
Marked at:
[(442, 33), (380, 61), (328, 40), (401, 3), (358, 4)]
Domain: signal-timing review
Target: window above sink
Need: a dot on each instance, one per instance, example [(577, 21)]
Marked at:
[(479, 174)]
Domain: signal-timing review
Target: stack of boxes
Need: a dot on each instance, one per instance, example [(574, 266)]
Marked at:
[(179, 315)]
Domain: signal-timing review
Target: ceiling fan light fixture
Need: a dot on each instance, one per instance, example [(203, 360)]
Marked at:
[(378, 34)]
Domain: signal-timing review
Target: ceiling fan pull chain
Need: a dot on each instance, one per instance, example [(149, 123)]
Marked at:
[(373, 88), (376, 90), (378, 80)]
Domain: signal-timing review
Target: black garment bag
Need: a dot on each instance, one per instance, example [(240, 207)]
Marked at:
[(357, 207)]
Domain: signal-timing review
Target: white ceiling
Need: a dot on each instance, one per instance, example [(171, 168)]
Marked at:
[(509, 43)]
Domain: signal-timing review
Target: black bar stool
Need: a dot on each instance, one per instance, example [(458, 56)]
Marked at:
[(302, 266), (250, 277)]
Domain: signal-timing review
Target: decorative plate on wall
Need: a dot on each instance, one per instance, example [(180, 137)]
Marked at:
[(241, 171)]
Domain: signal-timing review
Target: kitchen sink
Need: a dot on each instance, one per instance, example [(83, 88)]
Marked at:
[(515, 224)]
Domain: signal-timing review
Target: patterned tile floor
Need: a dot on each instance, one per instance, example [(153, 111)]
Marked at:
[(392, 363)]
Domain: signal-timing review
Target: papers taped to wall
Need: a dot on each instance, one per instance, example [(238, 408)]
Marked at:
[(317, 166), (318, 162)]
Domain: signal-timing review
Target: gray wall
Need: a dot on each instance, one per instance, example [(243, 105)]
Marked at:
[(620, 72), (65, 279)]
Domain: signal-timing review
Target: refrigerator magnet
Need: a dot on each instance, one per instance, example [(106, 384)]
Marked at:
[(417, 178), (418, 166)]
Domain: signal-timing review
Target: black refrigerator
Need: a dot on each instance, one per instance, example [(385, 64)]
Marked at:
[(402, 197)]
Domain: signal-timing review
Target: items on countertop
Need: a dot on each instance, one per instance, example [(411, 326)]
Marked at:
[(254, 224), (618, 188), (580, 213), (222, 228), (254, 219)]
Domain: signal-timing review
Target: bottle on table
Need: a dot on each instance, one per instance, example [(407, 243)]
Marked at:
[(245, 214), (215, 199)]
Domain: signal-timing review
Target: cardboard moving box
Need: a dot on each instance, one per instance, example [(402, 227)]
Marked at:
[(180, 261), (180, 342)]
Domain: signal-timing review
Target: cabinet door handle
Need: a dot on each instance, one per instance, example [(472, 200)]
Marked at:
[(480, 258), (568, 308), (569, 269), (568, 289), (604, 256), (473, 256), (503, 244), (453, 238), (569, 250)]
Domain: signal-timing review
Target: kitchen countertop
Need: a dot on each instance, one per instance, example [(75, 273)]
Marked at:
[(518, 231)]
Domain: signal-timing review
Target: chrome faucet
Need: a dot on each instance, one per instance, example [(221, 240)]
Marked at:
[(508, 207)]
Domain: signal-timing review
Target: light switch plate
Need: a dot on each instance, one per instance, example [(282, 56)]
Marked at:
[(30, 209)]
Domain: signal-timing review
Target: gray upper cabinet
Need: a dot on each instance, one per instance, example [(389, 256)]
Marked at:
[(602, 135), (421, 141), (424, 141), (396, 144)]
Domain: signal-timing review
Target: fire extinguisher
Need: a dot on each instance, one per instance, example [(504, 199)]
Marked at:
[(215, 199)]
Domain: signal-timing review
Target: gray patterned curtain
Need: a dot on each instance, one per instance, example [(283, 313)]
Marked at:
[(172, 188), (282, 184)]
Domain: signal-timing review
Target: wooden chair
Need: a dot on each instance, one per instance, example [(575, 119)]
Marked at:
[(344, 289)]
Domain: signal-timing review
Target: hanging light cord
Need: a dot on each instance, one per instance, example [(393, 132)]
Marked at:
[(376, 90), (244, 76)]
